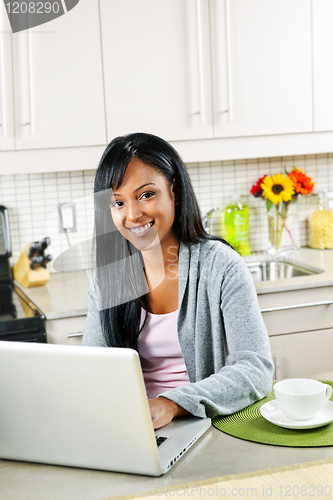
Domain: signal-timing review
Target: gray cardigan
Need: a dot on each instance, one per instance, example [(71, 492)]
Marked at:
[(221, 332)]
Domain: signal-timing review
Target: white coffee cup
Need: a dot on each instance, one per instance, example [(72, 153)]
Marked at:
[(301, 398)]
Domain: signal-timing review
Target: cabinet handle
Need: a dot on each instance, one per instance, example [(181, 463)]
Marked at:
[(275, 368), (31, 90), (296, 306), (227, 40), (200, 62), (71, 335), (3, 124)]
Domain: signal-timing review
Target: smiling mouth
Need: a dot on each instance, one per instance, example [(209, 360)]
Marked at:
[(141, 229)]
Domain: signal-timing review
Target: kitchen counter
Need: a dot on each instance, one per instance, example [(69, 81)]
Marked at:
[(215, 454), (65, 295)]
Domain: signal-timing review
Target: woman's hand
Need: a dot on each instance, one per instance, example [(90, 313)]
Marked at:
[(163, 410)]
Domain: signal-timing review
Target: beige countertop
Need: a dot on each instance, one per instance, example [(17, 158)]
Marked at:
[(65, 295), (215, 454)]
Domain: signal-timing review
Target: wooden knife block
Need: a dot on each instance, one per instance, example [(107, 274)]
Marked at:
[(25, 275)]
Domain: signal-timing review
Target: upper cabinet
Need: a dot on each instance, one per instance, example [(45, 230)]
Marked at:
[(196, 69), (323, 64), (220, 79), (6, 84), (58, 81), (157, 68), (262, 67)]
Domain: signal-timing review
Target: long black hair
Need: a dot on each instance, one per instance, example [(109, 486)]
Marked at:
[(121, 285)]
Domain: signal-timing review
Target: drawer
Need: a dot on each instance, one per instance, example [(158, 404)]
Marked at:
[(65, 330), (297, 311), (299, 354), (299, 319)]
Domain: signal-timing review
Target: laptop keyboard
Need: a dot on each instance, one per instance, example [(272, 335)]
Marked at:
[(160, 440)]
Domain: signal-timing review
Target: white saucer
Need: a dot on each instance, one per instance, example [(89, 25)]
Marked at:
[(271, 412)]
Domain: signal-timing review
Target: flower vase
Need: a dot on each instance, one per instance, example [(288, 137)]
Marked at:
[(283, 227)]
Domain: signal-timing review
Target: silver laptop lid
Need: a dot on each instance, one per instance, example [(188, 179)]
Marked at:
[(77, 406)]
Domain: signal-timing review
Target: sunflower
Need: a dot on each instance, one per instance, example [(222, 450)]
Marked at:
[(303, 184), (277, 188)]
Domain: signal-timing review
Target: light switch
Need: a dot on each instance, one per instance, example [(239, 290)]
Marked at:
[(67, 217)]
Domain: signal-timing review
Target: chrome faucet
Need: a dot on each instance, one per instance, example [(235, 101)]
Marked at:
[(206, 219)]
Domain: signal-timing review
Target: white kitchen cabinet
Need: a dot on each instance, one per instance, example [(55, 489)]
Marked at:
[(58, 82), (299, 354), (6, 84), (301, 337), (262, 77), (153, 79), (65, 330), (322, 65), (167, 74), (155, 82)]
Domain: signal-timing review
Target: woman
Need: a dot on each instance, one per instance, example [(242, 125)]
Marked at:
[(184, 299)]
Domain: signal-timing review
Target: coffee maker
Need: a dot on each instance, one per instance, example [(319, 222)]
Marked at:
[(20, 319)]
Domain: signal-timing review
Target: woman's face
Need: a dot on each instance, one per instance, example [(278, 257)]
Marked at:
[(143, 207)]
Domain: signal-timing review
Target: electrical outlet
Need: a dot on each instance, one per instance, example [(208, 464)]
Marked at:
[(67, 220)]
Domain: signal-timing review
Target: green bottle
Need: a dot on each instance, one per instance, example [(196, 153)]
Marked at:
[(236, 222)]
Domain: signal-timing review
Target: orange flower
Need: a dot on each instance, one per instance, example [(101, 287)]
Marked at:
[(303, 184)]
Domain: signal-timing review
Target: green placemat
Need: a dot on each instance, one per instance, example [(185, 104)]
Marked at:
[(250, 425)]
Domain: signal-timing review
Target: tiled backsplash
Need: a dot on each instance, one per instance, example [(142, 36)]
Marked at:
[(214, 184), (32, 199)]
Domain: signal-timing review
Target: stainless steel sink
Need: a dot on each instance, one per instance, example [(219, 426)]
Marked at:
[(278, 270)]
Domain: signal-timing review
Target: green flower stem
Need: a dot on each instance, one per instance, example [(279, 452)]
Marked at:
[(277, 227), (281, 222)]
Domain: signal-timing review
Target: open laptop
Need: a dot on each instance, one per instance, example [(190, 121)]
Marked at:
[(84, 407)]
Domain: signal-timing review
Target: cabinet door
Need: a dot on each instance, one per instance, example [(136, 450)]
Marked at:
[(152, 75), (323, 64), (6, 84), (304, 353), (65, 88), (265, 86)]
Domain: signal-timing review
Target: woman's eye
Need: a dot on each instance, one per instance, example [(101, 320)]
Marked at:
[(114, 204), (147, 195)]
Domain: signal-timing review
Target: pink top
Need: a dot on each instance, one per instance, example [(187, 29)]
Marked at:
[(162, 361)]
